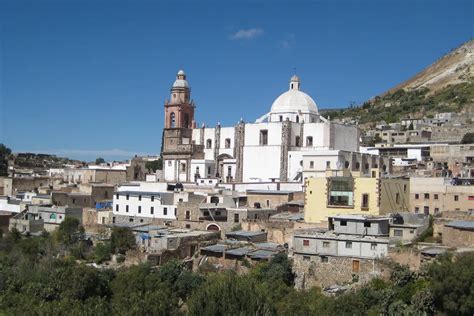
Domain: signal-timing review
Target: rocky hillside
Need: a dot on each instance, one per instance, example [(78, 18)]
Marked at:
[(445, 86)]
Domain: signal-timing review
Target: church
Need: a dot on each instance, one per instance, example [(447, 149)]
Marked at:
[(271, 149)]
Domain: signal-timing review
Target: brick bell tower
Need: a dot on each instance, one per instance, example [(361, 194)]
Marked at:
[(178, 148)]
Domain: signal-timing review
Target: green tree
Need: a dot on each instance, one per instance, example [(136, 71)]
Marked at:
[(102, 252), (154, 165), (99, 161), (122, 239), (5, 152), (70, 231), (468, 138), (452, 284)]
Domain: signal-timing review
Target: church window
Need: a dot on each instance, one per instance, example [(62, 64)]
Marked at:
[(311, 164), (208, 171), (264, 137), (172, 120), (281, 118), (227, 143), (297, 141), (297, 119), (208, 143), (229, 171), (183, 167), (328, 165), (309, 141), (346, 164), (186, 120)]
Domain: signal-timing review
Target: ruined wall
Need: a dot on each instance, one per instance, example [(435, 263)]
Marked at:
[(311, 271), (453, 237)]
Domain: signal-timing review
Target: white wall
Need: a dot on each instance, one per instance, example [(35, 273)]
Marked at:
[(134, 202), (227, 132), (5, 206), (209, 133), (317, 131)]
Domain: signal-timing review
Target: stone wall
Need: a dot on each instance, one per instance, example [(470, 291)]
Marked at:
[(454, 237), (311, 271)]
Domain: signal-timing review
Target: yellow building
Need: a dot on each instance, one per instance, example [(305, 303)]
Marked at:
[(350, 193)]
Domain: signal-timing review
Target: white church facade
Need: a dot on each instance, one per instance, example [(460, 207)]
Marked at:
[(271, 149)]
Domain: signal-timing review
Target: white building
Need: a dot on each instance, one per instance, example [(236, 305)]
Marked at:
[(270, 149), (146, 200)]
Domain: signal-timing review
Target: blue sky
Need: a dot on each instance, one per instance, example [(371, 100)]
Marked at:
[(89, 78)]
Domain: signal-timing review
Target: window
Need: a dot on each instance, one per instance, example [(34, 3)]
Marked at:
[(139, 197), (116, 207), (187, 215), (417, 209), (73, 201), (152, 210), (328, 165), (343, 223), (281, 118), (366, 224), (229, 171), (139, 209), (325, 244), (180, 200), (373, 246), (165, 211), (324, 259), (188, 226), (206, 213), (426, 210), (227, 143), (397, 198), (183, 167), (311, 164), (208, 143), (126, 208), (427, 196), (306, 242), (268, 203), (436, 210), (208, 170), (456, 198), (297, 141), (365, 200), (173, 119), (117, 196), (218, 213), (405, 188), (348, 244), (435, 196), (128, 197), (130, 219), (152, 198), (264, 137), (309, 141), (398, 232), (417, 196), (306, 258)]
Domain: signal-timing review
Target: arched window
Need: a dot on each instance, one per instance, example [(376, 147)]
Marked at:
[(172, 120), (208, 143), (309, 141), (186, 120), (227, 143)]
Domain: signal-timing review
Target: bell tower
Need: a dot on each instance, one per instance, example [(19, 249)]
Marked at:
[(179, 109), (178, 148)]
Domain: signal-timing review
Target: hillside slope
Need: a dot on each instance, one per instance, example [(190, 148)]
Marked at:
[(445, 86)]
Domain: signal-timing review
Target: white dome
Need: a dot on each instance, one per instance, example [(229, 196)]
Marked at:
[(180, 83), (181, 72), (294, 101)]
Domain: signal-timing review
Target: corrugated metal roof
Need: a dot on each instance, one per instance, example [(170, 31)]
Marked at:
[(217, 248), (239, 251), (262, 254), (468, 225)]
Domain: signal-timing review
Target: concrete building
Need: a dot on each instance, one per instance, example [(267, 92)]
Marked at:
[(85, 195), (344, 253), (144, 200), (36, 218), (437, 195), (459, 234), (292, 129), (351, 193), (407, 226)]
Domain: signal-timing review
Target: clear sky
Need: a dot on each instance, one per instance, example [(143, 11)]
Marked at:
[(89, 78)]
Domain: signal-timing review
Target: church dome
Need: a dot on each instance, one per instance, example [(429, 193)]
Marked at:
[(294, 100), (181, 81)]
